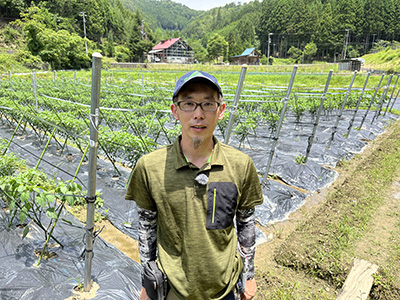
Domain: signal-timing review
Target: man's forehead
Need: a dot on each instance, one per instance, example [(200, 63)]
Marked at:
[(198, 86)]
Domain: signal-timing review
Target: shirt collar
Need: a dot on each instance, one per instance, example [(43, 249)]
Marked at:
[(180, 161)]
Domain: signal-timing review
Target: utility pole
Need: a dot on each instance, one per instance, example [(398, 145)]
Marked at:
[(269, 42), (345, 47), (83, 14)]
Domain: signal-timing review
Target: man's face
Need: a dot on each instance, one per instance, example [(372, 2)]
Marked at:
[(198, 125)]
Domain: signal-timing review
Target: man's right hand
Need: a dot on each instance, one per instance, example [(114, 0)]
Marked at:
[(143, 294)]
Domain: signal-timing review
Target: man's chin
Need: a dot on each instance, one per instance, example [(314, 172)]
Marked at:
[(197, 141)]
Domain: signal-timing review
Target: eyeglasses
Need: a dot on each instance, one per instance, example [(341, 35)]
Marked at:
[(192, 106)]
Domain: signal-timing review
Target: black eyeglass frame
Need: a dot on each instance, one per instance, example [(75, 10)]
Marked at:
[(199, 104)]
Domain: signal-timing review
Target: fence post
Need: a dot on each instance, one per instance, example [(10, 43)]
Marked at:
[(372, 100), (34, 87), (91, 198), (278, 129), (358, 105), (394, 100), (233, 110), (142, 89), (391, 95), (378, 110), (321, 106), (341, 109)]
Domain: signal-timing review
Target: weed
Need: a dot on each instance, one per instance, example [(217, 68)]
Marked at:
[(300, 159)]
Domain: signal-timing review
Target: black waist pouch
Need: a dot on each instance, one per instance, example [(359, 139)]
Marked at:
[(154, 281)]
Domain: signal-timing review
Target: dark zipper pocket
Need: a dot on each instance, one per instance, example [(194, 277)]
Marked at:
[(222, 200)]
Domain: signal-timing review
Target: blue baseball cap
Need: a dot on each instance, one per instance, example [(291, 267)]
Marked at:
[(195, 76)]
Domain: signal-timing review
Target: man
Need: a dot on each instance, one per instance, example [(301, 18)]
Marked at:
[(188, 194)]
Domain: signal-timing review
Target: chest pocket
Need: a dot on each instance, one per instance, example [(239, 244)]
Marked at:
[(221, 205)]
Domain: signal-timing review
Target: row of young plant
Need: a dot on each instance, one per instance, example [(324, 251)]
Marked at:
[(133, 123), (130, 126), (31, 197)]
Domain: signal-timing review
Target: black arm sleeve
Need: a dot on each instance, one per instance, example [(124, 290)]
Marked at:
[(147, 235), (245, 222)]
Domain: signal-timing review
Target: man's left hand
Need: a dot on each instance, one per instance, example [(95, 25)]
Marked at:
[(251, 289)]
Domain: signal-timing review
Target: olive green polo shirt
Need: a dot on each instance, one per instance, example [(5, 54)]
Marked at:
[(196, 237)]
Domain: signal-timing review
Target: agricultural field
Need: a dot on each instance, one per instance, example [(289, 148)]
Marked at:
[(297, 126)]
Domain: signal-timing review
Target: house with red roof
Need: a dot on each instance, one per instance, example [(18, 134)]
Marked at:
[(172, 51)]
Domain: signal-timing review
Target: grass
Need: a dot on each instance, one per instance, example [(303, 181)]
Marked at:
[(315, 259)]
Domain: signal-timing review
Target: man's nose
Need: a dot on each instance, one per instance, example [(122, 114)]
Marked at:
[(198, 112)]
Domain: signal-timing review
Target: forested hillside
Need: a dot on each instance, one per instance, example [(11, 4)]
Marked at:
[(164, 14), (330, 24), (60, 32)]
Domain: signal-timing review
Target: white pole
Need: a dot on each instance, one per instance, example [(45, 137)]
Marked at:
[(94, 115)]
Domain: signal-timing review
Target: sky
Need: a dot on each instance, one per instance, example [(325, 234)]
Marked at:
[(207, 4)]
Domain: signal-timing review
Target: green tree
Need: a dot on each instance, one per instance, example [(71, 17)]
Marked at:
[(199, 52), (295, 53), (109, 45), (216, 47), (310, 50), (140, 38), (63, 50)]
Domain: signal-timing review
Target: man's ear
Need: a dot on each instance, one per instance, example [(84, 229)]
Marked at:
[(221, 111), (174, 109)]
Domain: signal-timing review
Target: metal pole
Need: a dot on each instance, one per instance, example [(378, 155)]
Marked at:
[(378, 109), (372, 100), (233, 110), (321, 106), (94, 118), (34, 87), (391, 95), (341, 109), (358, 105), (278, 129), (390, 110), (142, 89)]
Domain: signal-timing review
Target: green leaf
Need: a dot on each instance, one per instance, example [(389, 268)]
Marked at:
[(25, 196), (70, 200), (11, 205), (51, 213), (25, 232), (50, 198), (64, 189), (41, 200), (23, 214)]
